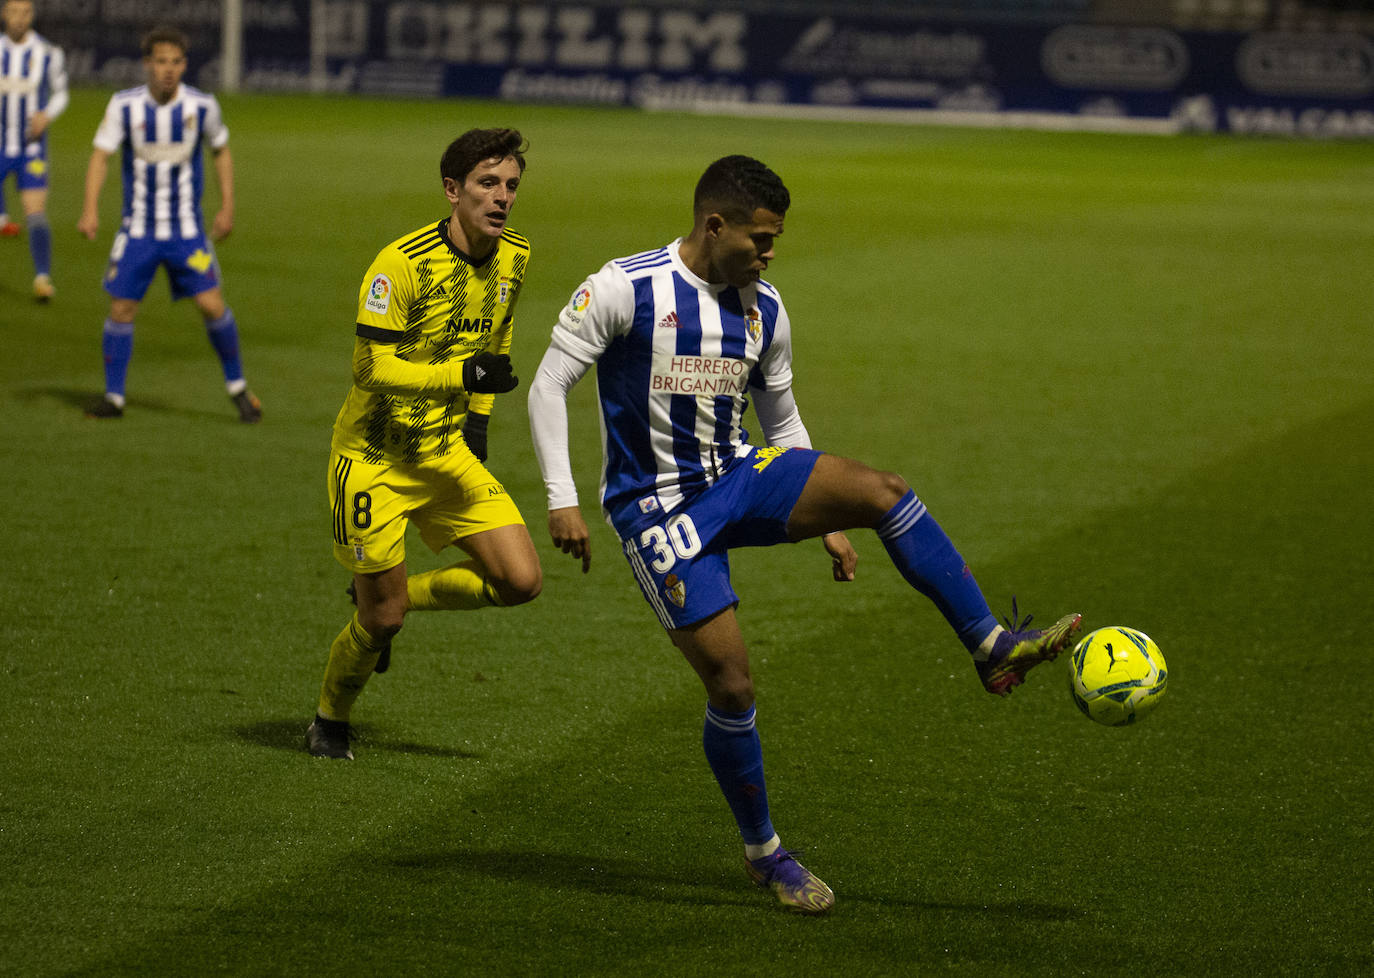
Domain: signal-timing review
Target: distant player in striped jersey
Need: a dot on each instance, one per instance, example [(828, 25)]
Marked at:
[(682, 337), (33, 92), (436, 312), (162, 130)]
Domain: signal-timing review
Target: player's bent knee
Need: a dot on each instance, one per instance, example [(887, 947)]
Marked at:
[(732, 693), (519, 588), (382, 627)]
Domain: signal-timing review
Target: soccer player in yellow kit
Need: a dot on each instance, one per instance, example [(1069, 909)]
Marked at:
[(435, 315)]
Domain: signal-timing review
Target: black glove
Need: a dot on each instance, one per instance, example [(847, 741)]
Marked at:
[(475, 434), (488, 373)]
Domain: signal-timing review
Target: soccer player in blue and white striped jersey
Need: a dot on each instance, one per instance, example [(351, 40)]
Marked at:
[(162, 131), (682, 337), (33, 92)]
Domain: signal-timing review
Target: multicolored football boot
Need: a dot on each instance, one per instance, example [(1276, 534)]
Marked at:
[(1020, 648), (795, 886)]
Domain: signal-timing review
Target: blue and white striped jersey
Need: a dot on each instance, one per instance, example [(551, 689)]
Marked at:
[(33, 78), (164, 158), (675, 357)]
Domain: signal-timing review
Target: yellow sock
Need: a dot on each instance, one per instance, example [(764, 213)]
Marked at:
[(460, 587), (352, 658)]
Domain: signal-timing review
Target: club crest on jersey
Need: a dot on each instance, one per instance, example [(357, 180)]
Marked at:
[(379, 295), (753, 322), (503, 291), (675, 589)]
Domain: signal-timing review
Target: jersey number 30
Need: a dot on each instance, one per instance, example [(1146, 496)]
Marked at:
[(675, 540)]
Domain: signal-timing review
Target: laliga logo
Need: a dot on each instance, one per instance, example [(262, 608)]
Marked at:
[(1144, 59), (1299, 64)]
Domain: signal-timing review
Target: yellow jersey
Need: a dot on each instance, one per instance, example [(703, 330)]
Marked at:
[(423, 309)]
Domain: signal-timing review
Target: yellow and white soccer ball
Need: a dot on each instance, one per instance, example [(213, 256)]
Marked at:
[(1117, 675)]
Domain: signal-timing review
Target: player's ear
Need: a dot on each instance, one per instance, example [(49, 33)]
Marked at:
[(714, 224), (451, 189)]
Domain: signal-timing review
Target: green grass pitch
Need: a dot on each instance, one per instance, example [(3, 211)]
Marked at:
[(1130, 376)]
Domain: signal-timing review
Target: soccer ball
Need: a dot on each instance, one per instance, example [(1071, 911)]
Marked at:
[(1117, 675)]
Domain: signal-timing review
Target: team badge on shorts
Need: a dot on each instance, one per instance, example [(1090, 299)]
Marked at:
[(675, 589), (359, 553), (754, 323)]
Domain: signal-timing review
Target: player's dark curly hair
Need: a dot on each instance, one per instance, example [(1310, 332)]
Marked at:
[(736, 186), (476, 145), (164, 35)]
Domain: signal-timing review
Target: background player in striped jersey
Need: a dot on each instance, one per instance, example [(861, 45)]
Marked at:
[(33, 92), (435, 317), (682, 337), (163, 129)]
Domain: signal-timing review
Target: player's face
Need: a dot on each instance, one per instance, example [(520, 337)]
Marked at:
[(482, 202), (18, 16), (164, 66), (740, 252)]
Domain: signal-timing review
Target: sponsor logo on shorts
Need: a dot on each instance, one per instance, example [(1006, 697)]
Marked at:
[(649, 504), (675, 589), (495, 490), (764, 457), (200, 260), (379, 295)]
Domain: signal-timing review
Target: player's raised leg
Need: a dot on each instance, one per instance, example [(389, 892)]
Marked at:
[(715, 649), (504, 571), (843, 493)]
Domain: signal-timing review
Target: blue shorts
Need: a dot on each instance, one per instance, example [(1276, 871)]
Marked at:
[(30, 171), (190, 262), (682, 563)]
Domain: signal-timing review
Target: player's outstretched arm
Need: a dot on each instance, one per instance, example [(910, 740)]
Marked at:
[(378, 369)]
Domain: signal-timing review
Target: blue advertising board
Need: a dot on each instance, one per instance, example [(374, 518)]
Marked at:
[(1075, 75)]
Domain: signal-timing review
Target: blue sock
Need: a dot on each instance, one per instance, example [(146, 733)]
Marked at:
[(927, 559), (736, 758), (40, 243), (224, 337), (117, 343)]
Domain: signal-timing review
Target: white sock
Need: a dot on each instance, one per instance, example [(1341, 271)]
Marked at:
[(752, 852), (984, 649)]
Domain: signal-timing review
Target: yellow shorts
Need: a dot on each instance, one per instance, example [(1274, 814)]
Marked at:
[(446, 498)]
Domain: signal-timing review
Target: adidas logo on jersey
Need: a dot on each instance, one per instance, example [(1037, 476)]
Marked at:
[(669, 321)]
